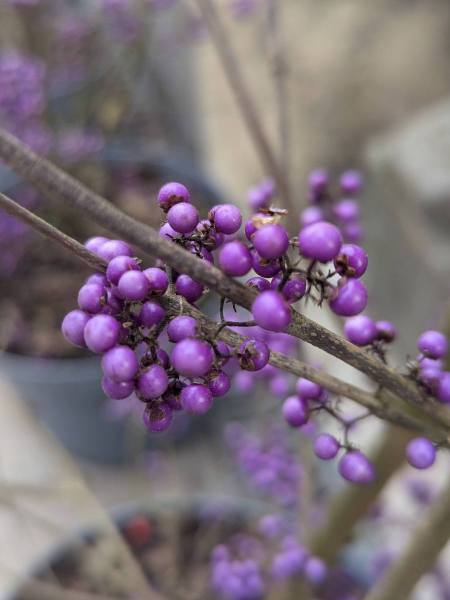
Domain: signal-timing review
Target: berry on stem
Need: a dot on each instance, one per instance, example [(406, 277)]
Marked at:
[(360, 330), (295, 411), (101, 333), (196, 399), (433, 344), (271, 311), (320, 241), (153, 382), (120, 364), (349, 299), (235, 259), (192, 358), (326, 446), (356, 467), (420, 453), (271, 241), (183, 217), (73, 326), (172, 193)]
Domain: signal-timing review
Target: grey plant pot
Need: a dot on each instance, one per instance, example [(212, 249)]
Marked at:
[(65, 395)]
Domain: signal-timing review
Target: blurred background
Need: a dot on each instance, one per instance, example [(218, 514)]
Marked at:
[(129, 94)]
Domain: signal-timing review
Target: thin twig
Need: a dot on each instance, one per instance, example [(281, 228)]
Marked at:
[(176, 305), (421, 553), (53, 181), (221, 40)]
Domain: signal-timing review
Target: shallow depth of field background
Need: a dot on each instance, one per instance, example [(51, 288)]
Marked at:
[(369, 88)]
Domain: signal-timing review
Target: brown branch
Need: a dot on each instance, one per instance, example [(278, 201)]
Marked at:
[(221, 39), (55, 182), (421, 553), (176, 305)]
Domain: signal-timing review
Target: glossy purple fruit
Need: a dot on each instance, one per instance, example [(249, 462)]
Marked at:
[(294, 289), (227, 218), (167, 232), (420, 453), (183, 217), (386, 331), (264, 268), (351, 182), (157, 416), (113, 248), (271, 311), (349, 299), (118, 266), (196, 399), (171, 193), (320, 241), (150, 314), (295, 411), (326, 446), (97, 278), (352, 232), (93, 244), (182, 327), (235, 259), (153, 382), (443, 388), (311, 215), (253, 355), (346, 210), (308, 389), (73, 326), (187, 287), (433, 344), (133, 285), (360, 330), (258, 283), (351, 261), (158, 280), (192, 358), (117, 391), (219, 384), (271, 241), (120, 364), (102, 333), (91, 298), (354, 466)]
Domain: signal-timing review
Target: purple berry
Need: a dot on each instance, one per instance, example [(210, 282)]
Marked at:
[(386, 331), (182, 327), (347, 210), (113, 248), (93, 244), (226, 218), (118, 266), (264, 268), (167, 232), (360, 330), (172, 193), (295, 411), (318, 181), (433, 344), (183, 217), (352, 261), (102, 333), (187, 287), (271, 241), (117, 391), (157, 416), (158, 280), (294, 289), (315, 570), (150, 314), (196, 399), (97, 278), (120, 364), (356, 467), (311, 215), (153, 382), (235, 259), (258, 283), (223, 351), (352, 232), (320, 241), (349, 299), (253, 355), (219, 384), (91, 297), (443, 388), (192, 358), (326, 446), (351, 182), (420, 453), (133, 285), (271, 311), (73, 326), (308, 389)]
